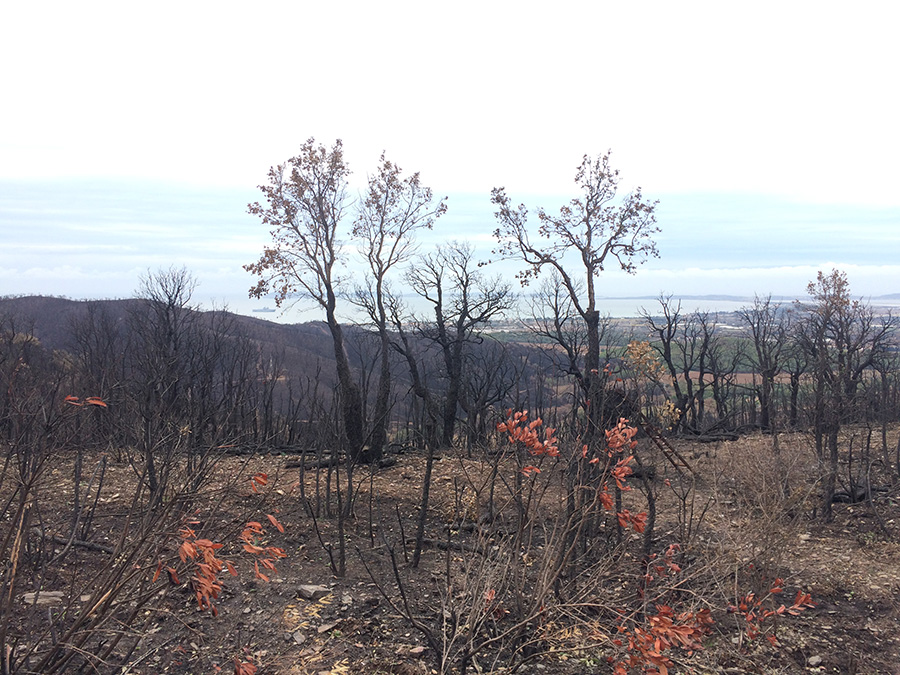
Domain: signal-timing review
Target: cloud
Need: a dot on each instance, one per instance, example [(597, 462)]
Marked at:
[(473, 96)]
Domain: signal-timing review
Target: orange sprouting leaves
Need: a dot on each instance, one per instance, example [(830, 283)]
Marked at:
[(253, 532), (621, 437), (753, 609), (645, 639), (171, 572), (252, 529), (605, 499), (254, 549), (619, 442), (187, 551), (202, 555), (493, 606), (90, 400), (801, 601), (243, 667), (638, 521), (621, 471), (207, 567), (646, 644), (274, 521), (520, 430), (258, 480), (661, 567)]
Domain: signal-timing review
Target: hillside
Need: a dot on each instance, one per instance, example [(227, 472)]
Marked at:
[(301, 348)]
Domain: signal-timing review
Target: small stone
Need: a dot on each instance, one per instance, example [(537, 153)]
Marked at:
[(814, 661), (346, 599), (325, 627), (417, 650), (298, 637), (246, 610), (312, 591)]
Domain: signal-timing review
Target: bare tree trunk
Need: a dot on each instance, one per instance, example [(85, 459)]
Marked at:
[(378, 436)]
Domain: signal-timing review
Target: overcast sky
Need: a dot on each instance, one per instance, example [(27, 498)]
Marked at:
[(132, 135)]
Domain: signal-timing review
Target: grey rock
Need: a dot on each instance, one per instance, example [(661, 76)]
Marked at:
[(312, 591)]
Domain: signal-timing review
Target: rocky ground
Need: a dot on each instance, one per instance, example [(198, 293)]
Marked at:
[(305, 619)]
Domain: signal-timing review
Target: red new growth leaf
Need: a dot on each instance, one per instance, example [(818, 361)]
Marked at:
[(520, 430), (620, 438), (260, 479), (606, 500), (638, 521), (622, 471), (187, 551), (173, 576), (202, 554), (90, 400), (207, 544), (259, 575), (755, 613)]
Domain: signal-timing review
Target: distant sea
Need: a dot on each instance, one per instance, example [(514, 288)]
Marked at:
[(631, 307)]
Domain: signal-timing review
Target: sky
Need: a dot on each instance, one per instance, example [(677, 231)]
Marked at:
[(133, 136)]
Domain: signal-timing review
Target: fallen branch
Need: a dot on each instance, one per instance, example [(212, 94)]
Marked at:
[(80, 543)]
